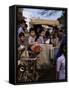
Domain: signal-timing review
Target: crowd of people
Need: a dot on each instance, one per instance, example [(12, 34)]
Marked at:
[(55, 36)]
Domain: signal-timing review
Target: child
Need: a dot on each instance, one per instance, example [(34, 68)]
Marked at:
[(22, 26), (21, 39), (33, 45), (43, 55), (41, 38), (32, 37), (55, 40), (47, 35)]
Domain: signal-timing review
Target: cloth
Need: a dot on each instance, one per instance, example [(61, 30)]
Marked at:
[(41, 40), (47, 41), (20, 30), (61, 67), (31, 40), (44, 55)]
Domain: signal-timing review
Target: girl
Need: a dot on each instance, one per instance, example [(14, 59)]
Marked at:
[(32, 37), (33, 45), (41, 38)]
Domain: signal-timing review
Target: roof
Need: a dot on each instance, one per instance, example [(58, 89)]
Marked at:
[(44, 22)]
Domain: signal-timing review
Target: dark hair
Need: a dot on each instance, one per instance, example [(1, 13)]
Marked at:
[(56, 28), (31, 29), (61, 30), (61, 51), (21, 34), (39, 34), (26, 25), (55, 34), (41, 31), (21, 21), (47, 34)]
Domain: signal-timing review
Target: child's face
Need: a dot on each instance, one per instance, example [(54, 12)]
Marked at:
[(32, 33), (22, 38), (42, 33)]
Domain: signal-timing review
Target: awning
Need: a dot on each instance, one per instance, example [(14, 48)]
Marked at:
[(44, 22)]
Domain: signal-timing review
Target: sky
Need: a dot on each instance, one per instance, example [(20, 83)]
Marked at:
[(33, 13), (29, 13)]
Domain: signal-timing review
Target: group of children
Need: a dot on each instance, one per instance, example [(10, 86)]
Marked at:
[(33, 41), (43, 37)]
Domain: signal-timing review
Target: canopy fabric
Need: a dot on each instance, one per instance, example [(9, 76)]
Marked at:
[(44, 22)]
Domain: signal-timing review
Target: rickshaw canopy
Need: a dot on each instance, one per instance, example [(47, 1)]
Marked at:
[(44, 22)]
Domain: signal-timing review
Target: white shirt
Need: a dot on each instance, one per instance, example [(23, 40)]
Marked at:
[(40, 40), (31, 40), (48, 41), (61, 67)]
